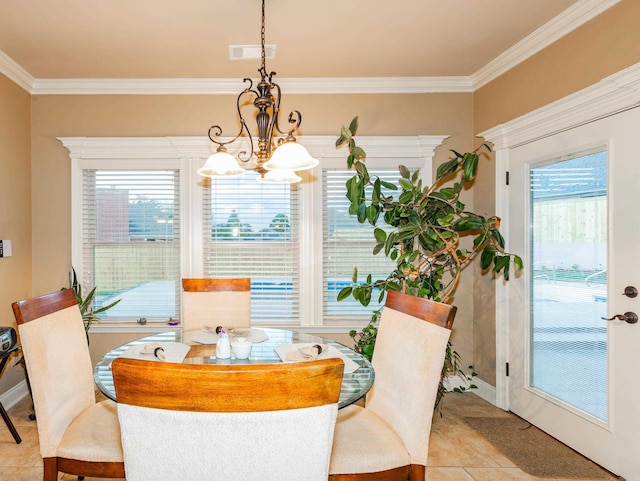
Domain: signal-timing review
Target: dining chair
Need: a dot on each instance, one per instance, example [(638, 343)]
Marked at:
[(216, 302), (228, 422), (77, 435), (388, 438)]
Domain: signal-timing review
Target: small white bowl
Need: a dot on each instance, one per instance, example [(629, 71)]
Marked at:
[(241, 347)]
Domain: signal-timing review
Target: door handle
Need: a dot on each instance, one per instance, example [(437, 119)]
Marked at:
[(628, 317)]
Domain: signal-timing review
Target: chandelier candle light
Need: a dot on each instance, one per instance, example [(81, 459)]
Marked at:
[(275, 163)]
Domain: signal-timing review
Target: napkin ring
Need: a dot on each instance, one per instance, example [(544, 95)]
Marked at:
[(319, 348), (155, 351)]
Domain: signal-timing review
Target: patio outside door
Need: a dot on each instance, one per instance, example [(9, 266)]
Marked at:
[(574, 218)]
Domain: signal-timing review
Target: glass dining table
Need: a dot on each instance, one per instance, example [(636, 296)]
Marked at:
[(356, 382)]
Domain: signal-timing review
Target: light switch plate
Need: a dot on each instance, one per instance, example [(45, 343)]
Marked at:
[(5, 248)]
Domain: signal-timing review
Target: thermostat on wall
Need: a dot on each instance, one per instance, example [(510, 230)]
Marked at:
[(5, 248)]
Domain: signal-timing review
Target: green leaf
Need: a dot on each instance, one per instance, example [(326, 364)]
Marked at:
[(468, 223), (353, 126), (498, 237), (358, 153), (362, 171), (380, 234), (388, 185), (406, 197), (372, 214), (391, 240), (362, 213), (517, 260), (446, 169), (405, 184), (354, 275), (501, 263), (404, 172), (344, 293), (377, 248), (486, 258), (375, 194), (469, 166), (345, 133), (448, 193), (367, 351)]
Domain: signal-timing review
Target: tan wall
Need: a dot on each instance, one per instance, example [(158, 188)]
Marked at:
[(605, 45), (61, 116), (15, 207)]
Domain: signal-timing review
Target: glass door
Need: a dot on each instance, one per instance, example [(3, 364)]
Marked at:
[(573, 216)]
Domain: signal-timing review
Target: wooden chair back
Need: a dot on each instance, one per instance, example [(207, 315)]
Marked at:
[(216, 302), (431, 311), (227, 422)]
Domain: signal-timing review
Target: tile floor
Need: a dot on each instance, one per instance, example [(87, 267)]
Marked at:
[(457, 452)]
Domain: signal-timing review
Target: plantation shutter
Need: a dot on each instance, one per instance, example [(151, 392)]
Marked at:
[(131, 242), (251, 229), (348, 244)]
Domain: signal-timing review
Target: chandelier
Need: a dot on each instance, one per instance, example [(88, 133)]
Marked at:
[(275, 160)]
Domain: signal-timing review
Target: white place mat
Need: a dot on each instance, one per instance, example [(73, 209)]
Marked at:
[(205, 336), (349, 365), (173, 351)]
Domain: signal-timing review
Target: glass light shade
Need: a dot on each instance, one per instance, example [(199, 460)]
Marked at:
[(280, 176), (292, 156), (221, 164)]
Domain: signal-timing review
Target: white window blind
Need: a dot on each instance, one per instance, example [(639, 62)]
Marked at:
[(568, 239), (131, 241), (251, 229), (348, 244)]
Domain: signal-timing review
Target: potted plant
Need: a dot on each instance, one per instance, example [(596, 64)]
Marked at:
[(86, 304), (421, 230)]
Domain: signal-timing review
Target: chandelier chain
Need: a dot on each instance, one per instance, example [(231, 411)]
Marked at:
[(262, 38)]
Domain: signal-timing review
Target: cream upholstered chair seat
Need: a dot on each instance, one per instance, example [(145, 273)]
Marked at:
[(76, 434), (94, 435), (365, 443), (249, 422), (388, 438), (216, 302)]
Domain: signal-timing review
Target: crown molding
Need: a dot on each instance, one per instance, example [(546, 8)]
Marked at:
[(572, 18), (222, 86), (15, 72), (613, 94), (567, 21)]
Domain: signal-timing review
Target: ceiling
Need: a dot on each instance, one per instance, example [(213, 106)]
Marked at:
[(189, 39)]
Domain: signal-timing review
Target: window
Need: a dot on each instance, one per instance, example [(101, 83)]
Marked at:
[(131, 241), (142, 219), (348, 245), (251, 229)]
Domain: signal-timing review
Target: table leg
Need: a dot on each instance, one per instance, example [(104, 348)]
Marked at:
[(3, 412), (9, 424)]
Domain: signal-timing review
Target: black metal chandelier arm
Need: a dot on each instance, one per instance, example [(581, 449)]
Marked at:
[(216, 130), (295, 117)]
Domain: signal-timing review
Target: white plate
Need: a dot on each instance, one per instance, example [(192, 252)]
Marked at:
[(349, 365), (173, 351)]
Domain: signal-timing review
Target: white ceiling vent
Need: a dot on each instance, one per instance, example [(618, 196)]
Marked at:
[(251, 52)]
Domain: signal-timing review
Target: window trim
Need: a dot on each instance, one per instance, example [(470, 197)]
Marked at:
[(187, 154)]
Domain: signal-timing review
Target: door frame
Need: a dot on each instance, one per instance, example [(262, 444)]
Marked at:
[(613, 94)]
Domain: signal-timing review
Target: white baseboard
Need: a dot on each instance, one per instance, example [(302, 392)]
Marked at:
[(13, 395), (485, 390)]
